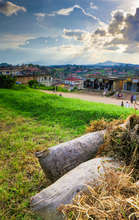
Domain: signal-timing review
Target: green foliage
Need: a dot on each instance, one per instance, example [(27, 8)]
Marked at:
[(75, 89), (20, 86), (7, 81), (61, 89), (110, 93), (53, 88), (33, 84)]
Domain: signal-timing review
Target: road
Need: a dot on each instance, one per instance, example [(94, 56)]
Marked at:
[(89, 97)]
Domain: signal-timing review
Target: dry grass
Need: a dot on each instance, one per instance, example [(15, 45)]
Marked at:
[(122, 143), (102, 124), (115, 198)]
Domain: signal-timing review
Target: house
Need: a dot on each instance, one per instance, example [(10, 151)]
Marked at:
[(115, 83), (75, 82), (24, 79), (103, 82), (46, 79), (42, 79), (25, 74), (14, 71), (131, 84)]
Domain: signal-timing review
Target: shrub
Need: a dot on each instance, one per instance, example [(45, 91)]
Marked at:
[(61, 89), (33, 83), (51, 88), (7, 81), (19, 86), (110, 93), (54, 88)]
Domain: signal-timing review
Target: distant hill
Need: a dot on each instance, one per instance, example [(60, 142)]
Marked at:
[(89, 66), (5, 65), (108, 63), (111, 63)]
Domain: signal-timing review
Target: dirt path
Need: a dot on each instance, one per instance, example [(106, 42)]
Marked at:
[(89, 97)]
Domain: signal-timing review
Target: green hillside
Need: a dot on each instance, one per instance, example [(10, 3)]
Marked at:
[(31, 121)]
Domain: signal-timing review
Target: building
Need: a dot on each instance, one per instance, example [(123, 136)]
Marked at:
[(113, 83), (102, 82), (25, 74), (75, 82), (45, 80), (131, 84), (14, 71)]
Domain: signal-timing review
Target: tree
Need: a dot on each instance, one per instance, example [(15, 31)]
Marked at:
[(33, 83), (7, 81)]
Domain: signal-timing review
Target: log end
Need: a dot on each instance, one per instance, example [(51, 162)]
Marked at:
[(41, 154)]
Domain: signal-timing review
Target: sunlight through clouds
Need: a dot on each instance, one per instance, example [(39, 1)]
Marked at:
[(69, 31)]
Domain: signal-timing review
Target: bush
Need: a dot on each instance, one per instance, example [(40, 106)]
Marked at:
[(54, 88), (61, 89), (33, 84), (110, 93), (20, 86), (7, 81)]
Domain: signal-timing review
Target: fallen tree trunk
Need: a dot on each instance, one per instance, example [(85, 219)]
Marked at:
[(64, 190), (60, 159)]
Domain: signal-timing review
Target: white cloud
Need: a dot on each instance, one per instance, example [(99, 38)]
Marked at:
[(122, 33), (40, 16), (129, 5), (76, 34), (67, 12), (9, 41), (93, 6), (8, 8)]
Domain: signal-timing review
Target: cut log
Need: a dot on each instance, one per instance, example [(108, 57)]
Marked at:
[(60, 159), (64, 190)]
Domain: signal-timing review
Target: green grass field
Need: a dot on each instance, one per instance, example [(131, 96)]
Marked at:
[(31, 121)]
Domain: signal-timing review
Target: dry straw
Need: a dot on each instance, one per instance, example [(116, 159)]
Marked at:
[(116, 197)]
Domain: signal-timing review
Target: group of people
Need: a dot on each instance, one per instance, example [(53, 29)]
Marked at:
[(133, 99), (128, 104)]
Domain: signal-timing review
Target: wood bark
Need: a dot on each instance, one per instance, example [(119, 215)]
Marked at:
[(60, 159), (64, 190)]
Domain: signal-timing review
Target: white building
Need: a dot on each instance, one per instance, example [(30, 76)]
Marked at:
[(75, 82), (45, 80)]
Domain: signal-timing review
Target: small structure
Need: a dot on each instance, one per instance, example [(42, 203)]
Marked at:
[(14, 71), (114, 83), (75, 82), (103, 82), (25, 74), (131, 84), (46, 79)]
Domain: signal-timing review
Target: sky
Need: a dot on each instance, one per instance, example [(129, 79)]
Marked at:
[(55, 32)]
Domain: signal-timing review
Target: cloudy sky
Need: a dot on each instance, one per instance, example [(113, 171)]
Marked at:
[(69, 31)]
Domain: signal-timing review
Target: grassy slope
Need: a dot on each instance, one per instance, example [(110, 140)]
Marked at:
[(31, 121)]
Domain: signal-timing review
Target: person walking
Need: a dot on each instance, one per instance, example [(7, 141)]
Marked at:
[(127, 105), (122, 104), (134, 98), (131, 99)]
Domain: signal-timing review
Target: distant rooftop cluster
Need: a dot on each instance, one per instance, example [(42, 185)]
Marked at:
[(98, 77)]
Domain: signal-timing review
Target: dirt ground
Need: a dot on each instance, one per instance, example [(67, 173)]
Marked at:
[(92, 97)]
